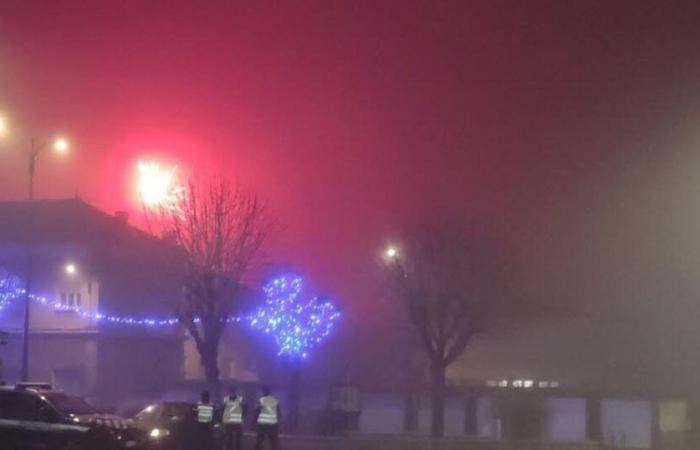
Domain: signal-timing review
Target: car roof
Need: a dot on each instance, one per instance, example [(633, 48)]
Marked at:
[(30, 391)]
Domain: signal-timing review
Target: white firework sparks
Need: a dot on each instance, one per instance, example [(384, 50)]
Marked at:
[(159, 187)]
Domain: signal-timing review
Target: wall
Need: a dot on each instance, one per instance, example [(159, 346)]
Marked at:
[(454, 416), (49, 280), (566, 419), (673, 416), (137, 362), (53, 358), (487, 423), (415, 443), (674, 424), (382, 413), (626, 423)]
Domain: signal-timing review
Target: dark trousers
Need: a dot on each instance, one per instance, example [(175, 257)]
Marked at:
[(205, 436), (233, 434), (268, 432)]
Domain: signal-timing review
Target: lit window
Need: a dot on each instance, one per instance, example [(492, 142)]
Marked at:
[(492, 383), (554, 384), (527, 384), (517, 383), (503, 383), (69, 301), (543, 384)]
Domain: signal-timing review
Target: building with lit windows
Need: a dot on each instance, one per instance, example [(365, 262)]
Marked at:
[(91, 276)]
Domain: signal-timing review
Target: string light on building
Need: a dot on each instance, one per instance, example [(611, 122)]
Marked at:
[(297, 326), (11, 289)]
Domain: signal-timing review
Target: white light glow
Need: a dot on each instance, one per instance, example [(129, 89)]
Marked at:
[(60, 145), (158, 187), (157, 433), (71, 269), (391, 252)]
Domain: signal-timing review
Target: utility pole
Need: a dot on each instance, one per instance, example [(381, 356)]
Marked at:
[(32, 155), (3, 342), (60, 146)]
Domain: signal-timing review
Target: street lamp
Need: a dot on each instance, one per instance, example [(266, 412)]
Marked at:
[(391, 252), (60, 146), (71, 269)]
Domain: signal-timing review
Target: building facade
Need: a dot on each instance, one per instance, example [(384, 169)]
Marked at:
[(81, 267)]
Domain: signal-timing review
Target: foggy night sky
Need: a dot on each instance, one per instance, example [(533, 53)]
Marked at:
[(569, 128)]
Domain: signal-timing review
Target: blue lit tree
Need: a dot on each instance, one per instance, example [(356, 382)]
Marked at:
[(297, 327), (11, 287)]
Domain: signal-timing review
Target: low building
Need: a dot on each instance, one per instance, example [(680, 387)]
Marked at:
[(89, 273)]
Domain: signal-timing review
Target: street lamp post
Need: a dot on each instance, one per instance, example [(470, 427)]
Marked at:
[(60, 145)]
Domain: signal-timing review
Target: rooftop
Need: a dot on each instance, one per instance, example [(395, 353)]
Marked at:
[(62, 221)]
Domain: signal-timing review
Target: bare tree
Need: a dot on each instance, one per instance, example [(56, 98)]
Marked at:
[(220, 227), (438, 274)]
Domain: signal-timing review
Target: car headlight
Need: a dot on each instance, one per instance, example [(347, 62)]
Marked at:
[(158, 433)]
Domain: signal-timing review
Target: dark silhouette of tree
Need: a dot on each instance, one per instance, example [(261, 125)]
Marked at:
[(439, 275), (220, 228)]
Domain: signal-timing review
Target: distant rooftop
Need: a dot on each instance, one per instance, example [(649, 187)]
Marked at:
[(62, 221)]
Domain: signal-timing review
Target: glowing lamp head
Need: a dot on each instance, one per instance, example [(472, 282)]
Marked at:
[(391, 252), (3, 126), (157, 186), (60, 145), (70, 269), (158, 433)]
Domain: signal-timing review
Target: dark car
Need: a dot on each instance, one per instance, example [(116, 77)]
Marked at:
[(42, 419), (170, 425)]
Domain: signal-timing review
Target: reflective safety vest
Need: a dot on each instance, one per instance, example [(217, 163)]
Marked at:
[(205, 413), (268, 410), (233, 410)]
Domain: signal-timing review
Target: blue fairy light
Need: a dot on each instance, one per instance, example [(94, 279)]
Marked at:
[(297, 327)]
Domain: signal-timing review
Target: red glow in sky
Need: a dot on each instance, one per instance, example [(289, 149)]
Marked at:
[(350, 118)]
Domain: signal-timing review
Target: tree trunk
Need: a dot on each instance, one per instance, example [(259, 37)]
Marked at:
[(210, 361), (437, 399), (294, 398)]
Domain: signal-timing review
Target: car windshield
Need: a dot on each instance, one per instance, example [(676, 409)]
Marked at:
[(176, 411), (147, 414), (69, 404)]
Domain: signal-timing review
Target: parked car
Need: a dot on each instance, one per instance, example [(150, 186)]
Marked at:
[(171, 425), (35, 417)]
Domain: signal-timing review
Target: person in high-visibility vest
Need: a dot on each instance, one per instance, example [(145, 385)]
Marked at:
[(267, 418), (232, 419), (204, 418)]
